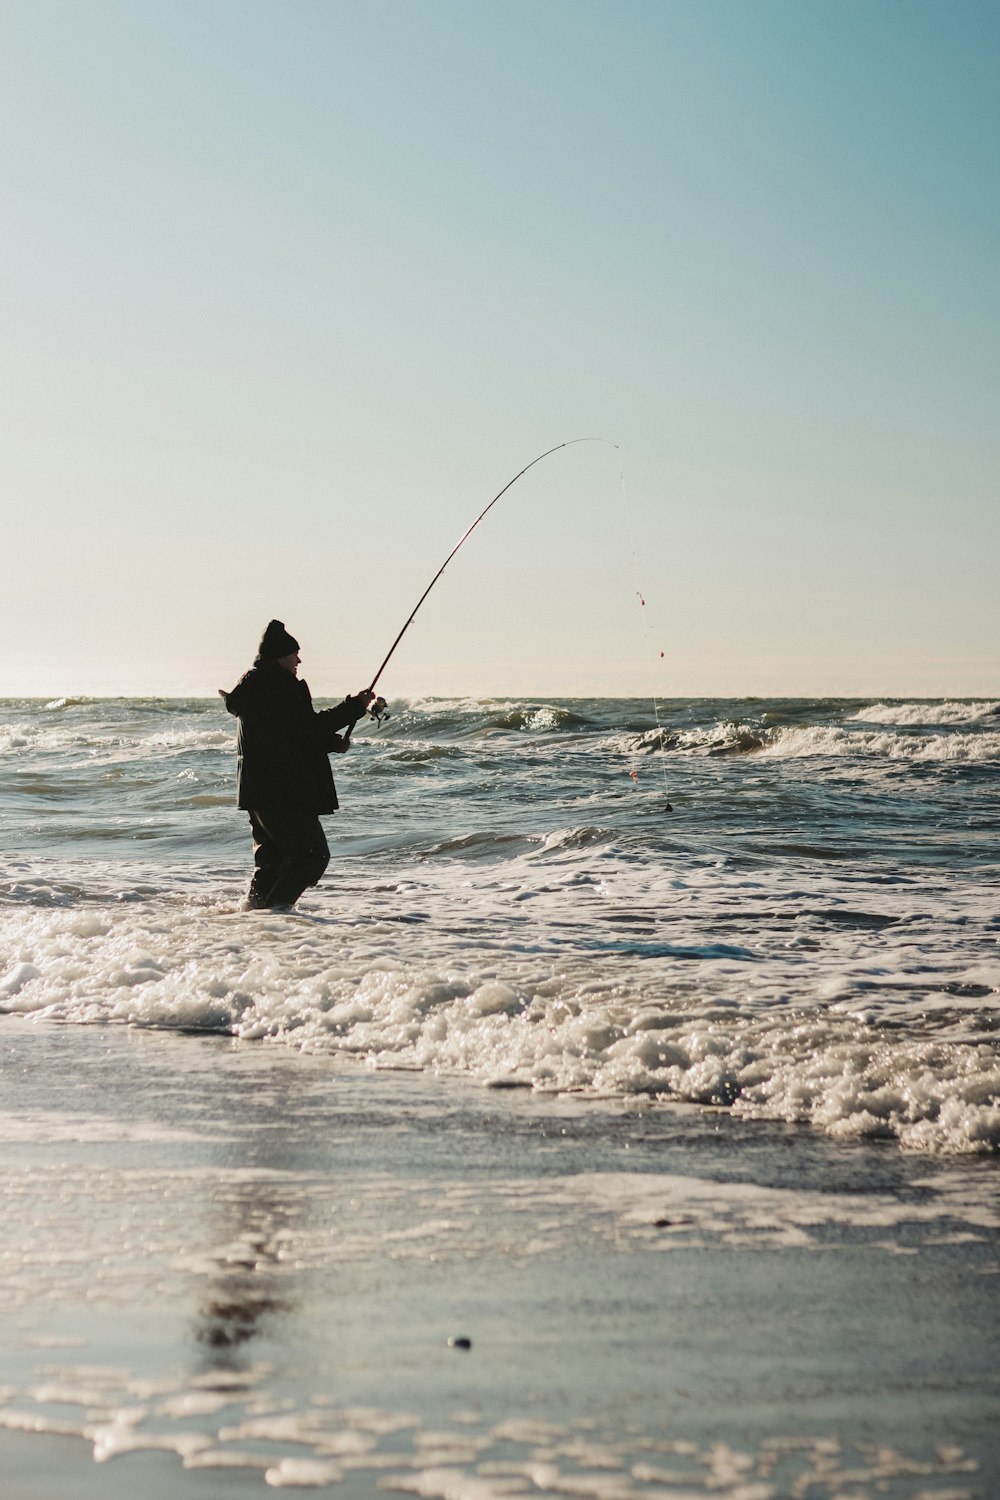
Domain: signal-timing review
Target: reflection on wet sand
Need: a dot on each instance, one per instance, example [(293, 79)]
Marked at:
[(246, 1290)]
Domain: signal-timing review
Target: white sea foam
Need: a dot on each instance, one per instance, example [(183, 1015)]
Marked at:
[(24, 737), (556, 1024), (788, 941), (951, 712), (515, 1456), (15, 980), (51, 1126), (683, 1206), (303, 1473), (776, 741), (831, 740)]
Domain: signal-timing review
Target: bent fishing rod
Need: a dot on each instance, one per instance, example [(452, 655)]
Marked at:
[(377, 710)]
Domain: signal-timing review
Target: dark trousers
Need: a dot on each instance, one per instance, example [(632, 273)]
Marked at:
[(289, 852)]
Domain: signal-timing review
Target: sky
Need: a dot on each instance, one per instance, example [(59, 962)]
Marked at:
[(292, 288)]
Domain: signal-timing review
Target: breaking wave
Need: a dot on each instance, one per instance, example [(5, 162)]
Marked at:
[(832, 740), (805, 931), (737, 739), (511, 1020), (952, 712)]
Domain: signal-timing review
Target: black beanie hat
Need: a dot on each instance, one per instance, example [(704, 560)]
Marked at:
[(276, 642)]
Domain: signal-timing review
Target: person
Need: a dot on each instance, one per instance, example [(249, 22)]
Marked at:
[(284, 780)]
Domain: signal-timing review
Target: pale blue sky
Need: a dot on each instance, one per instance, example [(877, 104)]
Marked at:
[(291, 290)]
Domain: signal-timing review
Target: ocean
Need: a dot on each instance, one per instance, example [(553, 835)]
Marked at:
[(618, 1118), (810, 932)]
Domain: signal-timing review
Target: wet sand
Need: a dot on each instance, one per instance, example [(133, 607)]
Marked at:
[(228, 1269)]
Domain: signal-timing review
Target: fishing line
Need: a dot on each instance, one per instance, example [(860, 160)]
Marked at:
[(645, 624), (378, 710), (465, 537)]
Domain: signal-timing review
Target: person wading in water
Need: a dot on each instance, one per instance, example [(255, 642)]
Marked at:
[(284, 780)]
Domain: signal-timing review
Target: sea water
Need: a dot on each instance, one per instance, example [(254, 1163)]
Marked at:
[(784, 910), (653, 1054)]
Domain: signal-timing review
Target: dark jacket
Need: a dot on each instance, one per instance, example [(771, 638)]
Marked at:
[(283, 742)]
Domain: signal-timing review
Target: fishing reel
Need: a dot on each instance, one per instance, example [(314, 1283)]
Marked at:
[(378, 710)]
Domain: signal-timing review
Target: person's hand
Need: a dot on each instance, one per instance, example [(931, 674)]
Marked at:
[(361, 700)]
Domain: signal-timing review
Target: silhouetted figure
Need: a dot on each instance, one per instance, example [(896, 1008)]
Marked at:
[(284, 780)]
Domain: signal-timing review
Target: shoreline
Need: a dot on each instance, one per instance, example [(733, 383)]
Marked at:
[(252, 1256)]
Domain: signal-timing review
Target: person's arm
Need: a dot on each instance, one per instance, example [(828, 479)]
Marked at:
[(344, 716)]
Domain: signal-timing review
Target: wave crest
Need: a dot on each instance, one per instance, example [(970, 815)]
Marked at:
[(830, 740), (735, 738), (958, 711)]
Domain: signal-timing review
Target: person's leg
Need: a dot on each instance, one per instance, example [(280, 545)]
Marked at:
[(267, 864), (290, 853)]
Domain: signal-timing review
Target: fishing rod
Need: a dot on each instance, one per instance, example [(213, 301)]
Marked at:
[(377, 709)]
